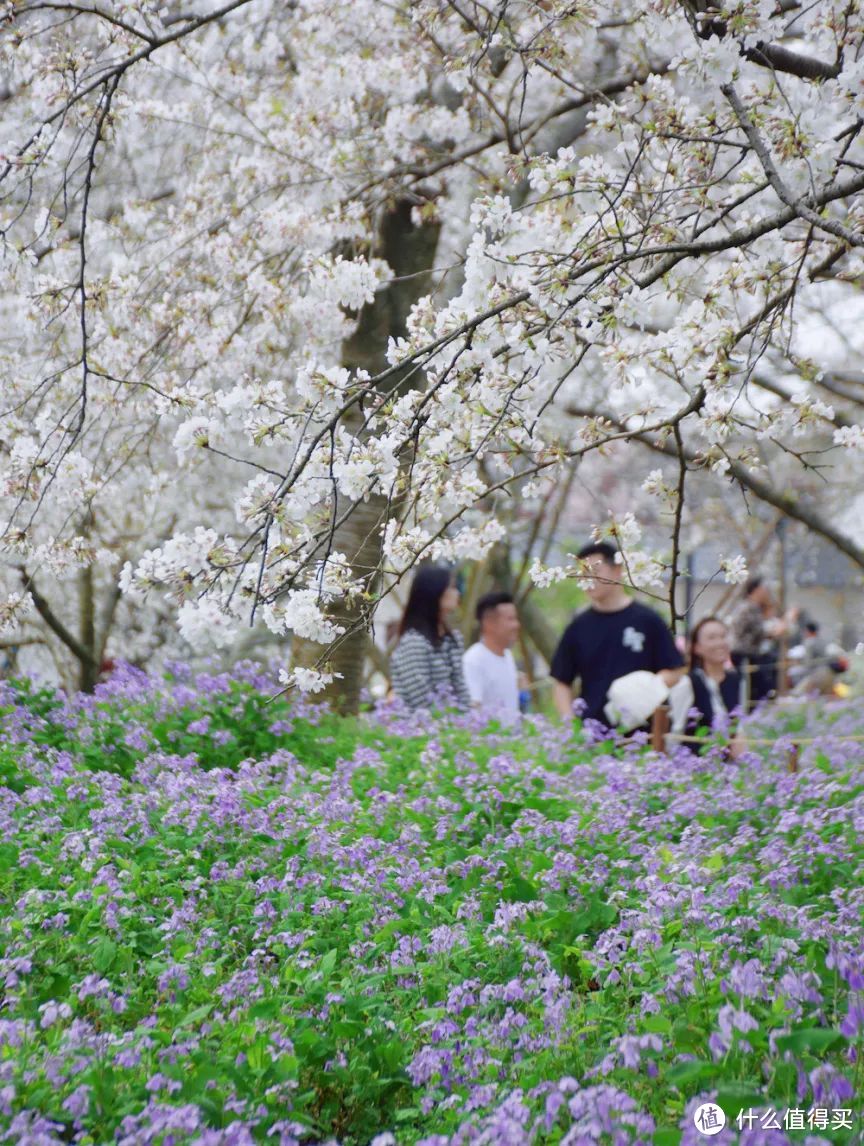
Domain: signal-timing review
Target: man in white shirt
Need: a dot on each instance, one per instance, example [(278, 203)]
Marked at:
[(490, 671)]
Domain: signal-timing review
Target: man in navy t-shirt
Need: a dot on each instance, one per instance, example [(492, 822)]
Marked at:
[(611, 638)]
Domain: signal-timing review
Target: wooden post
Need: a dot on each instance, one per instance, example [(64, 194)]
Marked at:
[(659, 728), (794, 753)]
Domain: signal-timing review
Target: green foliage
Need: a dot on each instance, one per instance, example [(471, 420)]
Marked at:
[(560, 601), (357, 926)]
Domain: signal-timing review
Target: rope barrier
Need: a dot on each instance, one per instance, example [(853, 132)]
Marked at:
[(789, 662), (660, 736), (765, 741)]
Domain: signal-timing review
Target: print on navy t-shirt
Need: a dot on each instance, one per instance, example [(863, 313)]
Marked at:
[(599, 647)]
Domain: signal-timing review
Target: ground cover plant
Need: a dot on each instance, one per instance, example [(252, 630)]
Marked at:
[(226, 920)]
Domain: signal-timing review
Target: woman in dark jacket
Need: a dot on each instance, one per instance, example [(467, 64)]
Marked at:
[(711, 690), (428, 656)]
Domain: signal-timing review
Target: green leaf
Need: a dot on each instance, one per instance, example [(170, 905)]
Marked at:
[(285, 1067), (391, 1055), (823, 762), (552, 809), (594, 917), (688, 1038), (104, 954), (667, 1136), (518, 889), (195, 1016), (265, 1009), (657, 1024), (389, 928), (811, 1039), (347, 1028), (328, 963), (734, 1097), (683, 1073), (312, 1047), (258, 1055)]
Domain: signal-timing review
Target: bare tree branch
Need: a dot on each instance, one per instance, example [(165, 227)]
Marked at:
[(675, 616), (83, 10), (799, 204), (707, 22), (81, 285), (116, 71), (84, 655), (787, 502), (780, 59)]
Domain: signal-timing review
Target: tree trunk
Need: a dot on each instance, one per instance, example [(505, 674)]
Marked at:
[(360, 540), (409, 250), (88, 670)]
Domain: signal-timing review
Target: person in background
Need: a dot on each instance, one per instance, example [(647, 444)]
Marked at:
[(428, 655), (490, 670), (615, 636), (755, 630), (816, 672), (711, 687), (815, 646)]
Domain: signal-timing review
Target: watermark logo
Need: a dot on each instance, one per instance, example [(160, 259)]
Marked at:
[(709, 1119), (816, 1118)]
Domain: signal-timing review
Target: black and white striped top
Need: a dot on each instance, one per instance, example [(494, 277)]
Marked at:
[(418, 669)]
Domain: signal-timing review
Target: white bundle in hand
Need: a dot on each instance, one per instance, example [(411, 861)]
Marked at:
[(632, 699)]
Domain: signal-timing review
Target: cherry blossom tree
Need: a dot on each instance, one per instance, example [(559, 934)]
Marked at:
[(298, 294)]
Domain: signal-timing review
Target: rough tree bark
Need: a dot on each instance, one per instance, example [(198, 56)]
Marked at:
[(88, 670), (409, 249), (83, 653), (88, 640)]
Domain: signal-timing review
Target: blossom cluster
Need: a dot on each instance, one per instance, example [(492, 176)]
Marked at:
[(390, 264)]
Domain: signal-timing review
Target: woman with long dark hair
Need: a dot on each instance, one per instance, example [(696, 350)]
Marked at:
[(711, 690), (428, 656)]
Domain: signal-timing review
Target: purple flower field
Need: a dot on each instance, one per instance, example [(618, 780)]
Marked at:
[(232, 921)]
